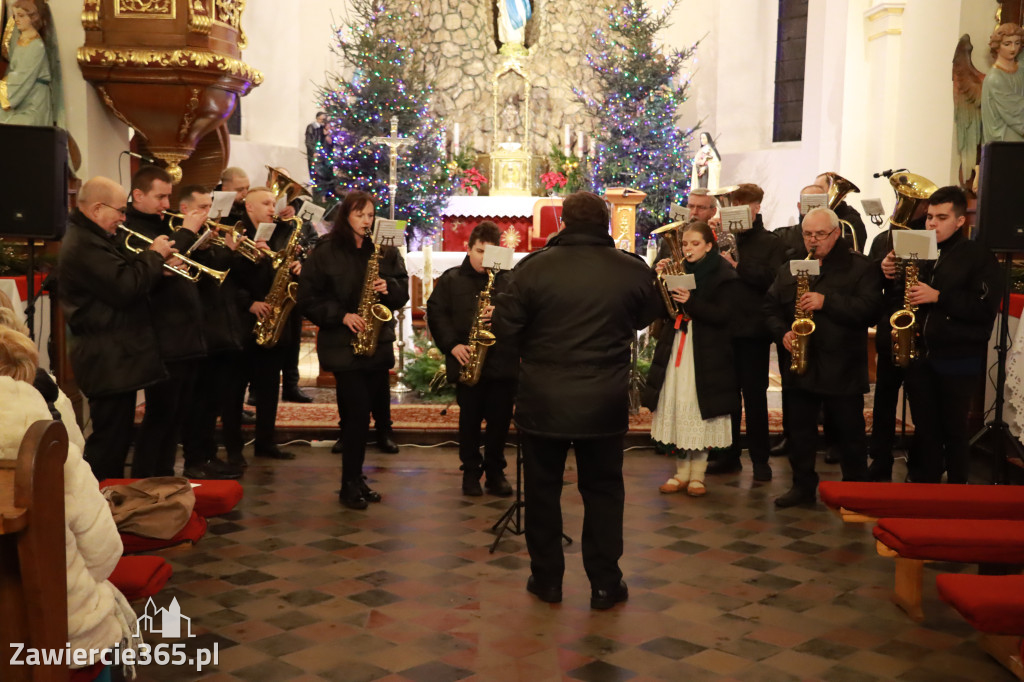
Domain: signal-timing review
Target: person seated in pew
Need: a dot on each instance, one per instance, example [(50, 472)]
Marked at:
[(99, 616)]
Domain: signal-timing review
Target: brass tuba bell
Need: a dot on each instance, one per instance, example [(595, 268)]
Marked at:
[(912, 193), (284, 186)]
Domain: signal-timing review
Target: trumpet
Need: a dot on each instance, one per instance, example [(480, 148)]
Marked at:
[(190, 269), (245, 247)]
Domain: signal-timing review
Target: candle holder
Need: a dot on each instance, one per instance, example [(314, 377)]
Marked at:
[(400, 385)]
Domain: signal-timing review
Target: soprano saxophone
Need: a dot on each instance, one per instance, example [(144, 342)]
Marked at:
[(373, 312), (281, 297), (803, 324), (480, 338), (904, 321)]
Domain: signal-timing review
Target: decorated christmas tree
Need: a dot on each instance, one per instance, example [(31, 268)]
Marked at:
[(635, 105), (380, 78)]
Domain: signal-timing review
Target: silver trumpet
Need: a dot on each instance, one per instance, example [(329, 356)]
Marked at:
[(189, 269)]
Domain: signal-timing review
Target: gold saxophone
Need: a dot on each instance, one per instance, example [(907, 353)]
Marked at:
[(480, 338), (803, 324), (904, 321), (373, 312), (281, 297)]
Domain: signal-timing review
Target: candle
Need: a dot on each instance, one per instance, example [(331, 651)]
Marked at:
[(566, 139), (579, 143), (455, 140), (652, 251), (428, 250)]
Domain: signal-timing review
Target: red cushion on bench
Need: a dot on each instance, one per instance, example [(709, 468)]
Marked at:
[(972, 541), (990, 603), (193, 531), (87, 674), (925, 500), (213, 498), (140, 577)]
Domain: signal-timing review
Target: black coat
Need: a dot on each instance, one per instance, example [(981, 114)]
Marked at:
[(451, 312), (330, 287), (710, 310), (222, 319), (572, 312), (760, 254), (177, 309), (892, 295), (838, 349), (104, 295)]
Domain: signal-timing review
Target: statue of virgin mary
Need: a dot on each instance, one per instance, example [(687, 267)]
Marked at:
[(512, 18)]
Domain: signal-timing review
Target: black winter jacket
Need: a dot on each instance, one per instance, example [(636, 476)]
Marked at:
[(572, 311), (177, 310), (330, 287), (451, 311), (838, 348), (104, 295), (710, 310), (222, 320), (760, 254)]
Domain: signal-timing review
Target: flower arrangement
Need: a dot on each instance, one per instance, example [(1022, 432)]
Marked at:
[(568, 167), (552, 180), (464, 176), (472, 177)]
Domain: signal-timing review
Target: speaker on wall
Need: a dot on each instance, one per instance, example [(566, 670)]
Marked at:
[(33, 182), (1000, 210)]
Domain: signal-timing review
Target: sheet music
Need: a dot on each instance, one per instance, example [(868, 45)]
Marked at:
[(736, 219), (222, 202), (389, 232), (915, 244), (811, 267), (809, 202), (497, 257), (685, 281)]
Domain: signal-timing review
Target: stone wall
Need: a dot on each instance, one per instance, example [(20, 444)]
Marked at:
[(457, 40)]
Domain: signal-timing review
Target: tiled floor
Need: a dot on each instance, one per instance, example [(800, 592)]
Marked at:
[(291, 586)]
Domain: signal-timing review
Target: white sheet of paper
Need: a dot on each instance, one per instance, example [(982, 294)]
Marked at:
[(915, 244), (812, 201), (198, 244), (873, 206), (497, 257), (264, 231), (677, 212), (736, 219), (389, 232), (687, 282), (222, 202), (282, 201), (811, 267), (311, 212)]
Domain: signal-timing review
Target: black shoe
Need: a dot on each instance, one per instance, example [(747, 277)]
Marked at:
[(248, 417), (498, 486), (794, 497), (273, 452), (552, 594), (471, 484), (762, 473), (223, 469), (879, 471), (294, 394), (351, 495), (833, 456), (206, 472), (385, 444), (780, 449), (605, 599), (250, 400), (725, 465), (198, 473), (336, 448), (369, 493), (236, 459)]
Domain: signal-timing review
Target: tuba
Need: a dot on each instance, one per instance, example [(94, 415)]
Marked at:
[(838, 188), (373, 312), (912, 192), (803, 324), (672, 233), (281, 297), (480, 338), (284, 186), (904, 321)]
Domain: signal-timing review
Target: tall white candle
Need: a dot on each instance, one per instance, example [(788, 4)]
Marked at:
[(652, 252), (566, 139), (455, 139), (579, 143)]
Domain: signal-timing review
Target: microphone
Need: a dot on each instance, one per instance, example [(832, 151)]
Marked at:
[(147, 159), (888, 173)]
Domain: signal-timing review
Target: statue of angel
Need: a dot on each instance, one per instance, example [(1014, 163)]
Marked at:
[(967, 82)]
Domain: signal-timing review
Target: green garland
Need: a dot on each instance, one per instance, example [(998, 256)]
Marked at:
[(422, 361)]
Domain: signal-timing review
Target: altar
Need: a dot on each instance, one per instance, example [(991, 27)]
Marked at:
[(514, 216)]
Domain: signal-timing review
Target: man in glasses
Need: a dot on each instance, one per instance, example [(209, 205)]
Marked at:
[(104, 295), (844, 300)]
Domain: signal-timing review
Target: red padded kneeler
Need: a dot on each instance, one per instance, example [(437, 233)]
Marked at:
[(141, 577), (213, 498), (925, 500), (87, 674), (970, 541), (990, 603), (193, 531)]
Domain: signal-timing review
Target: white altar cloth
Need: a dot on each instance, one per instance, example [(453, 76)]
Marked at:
[(441, 261), (487, 207)]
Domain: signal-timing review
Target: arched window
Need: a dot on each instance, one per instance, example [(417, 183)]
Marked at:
[(790, 58)]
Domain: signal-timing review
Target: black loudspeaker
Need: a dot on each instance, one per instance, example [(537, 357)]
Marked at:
[(33, 182), (1000, 209)]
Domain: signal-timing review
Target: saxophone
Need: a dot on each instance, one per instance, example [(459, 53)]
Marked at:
[(904, 321), (803, 324), (480, 338), (373, 312), (281, 297)]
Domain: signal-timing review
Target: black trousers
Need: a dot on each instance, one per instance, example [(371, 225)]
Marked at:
[(260, 368), (599, 469), (166, 404), (355, 390), (290, 362), (113, 421), (380, 404), (491, 400), (210, 395), (845, 413), (752, 360), (940, 403), (888, 379)]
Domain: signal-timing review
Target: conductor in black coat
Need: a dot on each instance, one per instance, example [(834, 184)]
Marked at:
[(844, 301), (452, 310), (958, 299), (330, 291), (104, 294), (572, 312)]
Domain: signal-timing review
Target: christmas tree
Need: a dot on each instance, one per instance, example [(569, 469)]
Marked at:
[(381, 78), (635, 105)]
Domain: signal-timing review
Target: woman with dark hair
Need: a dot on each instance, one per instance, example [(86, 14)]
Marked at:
[(330, 290), (691, 386)]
